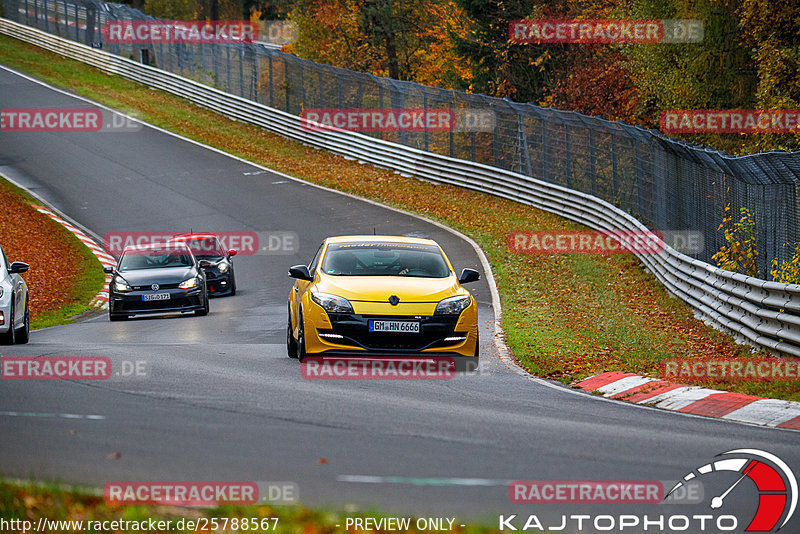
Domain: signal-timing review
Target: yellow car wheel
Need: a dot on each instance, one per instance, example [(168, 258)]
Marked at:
[(291, 343), (301, 338)]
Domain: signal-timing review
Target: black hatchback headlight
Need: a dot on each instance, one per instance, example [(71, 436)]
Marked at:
[(121, 286), (189, 283)]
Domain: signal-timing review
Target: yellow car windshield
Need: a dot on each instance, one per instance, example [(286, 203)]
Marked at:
[(385, 259)]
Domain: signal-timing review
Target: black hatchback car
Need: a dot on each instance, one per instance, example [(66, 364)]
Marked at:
[(220, 277), (158, 278)]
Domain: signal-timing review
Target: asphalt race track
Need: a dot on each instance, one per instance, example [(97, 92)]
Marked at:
[(223, 402)]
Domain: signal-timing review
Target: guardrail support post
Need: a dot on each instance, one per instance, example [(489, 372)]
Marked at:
[(228, 87), (568, 155), (271, 88), (592, 170), (425, 108), (613, 166), (451, 133)]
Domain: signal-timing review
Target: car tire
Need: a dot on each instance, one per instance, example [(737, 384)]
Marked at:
[(24, 333), (116, 317), (301, 339), (291, 342), (233, 285), (9, 337), (204, 311)]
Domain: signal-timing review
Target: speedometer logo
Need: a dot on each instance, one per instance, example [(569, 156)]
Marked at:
[(775, 482)]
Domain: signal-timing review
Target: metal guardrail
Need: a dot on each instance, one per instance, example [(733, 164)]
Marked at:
[(761, 313), (668, 184)]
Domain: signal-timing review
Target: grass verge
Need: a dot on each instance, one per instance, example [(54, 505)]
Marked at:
[(565, 317), (29, 502), (64, 275)]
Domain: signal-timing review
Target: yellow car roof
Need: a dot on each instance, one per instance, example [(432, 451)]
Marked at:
[(380, 239)]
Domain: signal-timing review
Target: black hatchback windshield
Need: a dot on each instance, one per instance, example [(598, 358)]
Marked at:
[(153, 259), (384, 259), (205, 247)]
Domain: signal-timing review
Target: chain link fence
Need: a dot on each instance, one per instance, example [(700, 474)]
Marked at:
[(667, 184)]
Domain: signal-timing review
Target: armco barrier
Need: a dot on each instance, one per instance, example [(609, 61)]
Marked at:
[(764, 314)]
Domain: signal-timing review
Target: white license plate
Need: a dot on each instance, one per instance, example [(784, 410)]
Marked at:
[(156, 296), (401, 327)]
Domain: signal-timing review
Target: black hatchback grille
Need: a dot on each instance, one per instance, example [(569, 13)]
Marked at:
[(149, 287)]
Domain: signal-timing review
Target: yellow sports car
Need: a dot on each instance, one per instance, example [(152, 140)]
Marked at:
[(383, 296)]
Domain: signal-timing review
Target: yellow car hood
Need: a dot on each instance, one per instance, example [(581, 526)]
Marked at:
[(380, 288)]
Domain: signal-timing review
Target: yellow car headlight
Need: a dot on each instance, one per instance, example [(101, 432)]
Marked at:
[(332, 303), (453, 305)]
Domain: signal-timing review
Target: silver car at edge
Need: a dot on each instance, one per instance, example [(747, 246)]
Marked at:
[(14, 316)]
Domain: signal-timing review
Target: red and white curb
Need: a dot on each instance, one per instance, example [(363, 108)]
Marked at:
[(694, 400), (101, 299)]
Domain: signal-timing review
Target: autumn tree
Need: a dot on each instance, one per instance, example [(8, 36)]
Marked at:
[(171, 9), (716, 73), (771, 29), (402, 39), (500, 67)]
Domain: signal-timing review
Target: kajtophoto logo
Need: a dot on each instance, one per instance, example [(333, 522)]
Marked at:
[(774, 480), (772, 485)]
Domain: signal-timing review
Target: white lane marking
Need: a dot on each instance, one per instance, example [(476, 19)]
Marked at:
[(624, 384), (53, 415), (423, 481), (770, 412)]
